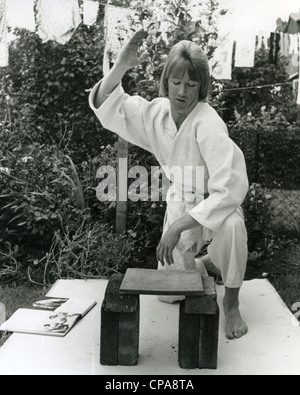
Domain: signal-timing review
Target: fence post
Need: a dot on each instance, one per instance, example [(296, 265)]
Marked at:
[(2, 313), (121, 206)]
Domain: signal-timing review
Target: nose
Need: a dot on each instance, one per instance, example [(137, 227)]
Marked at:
[(181, 90)]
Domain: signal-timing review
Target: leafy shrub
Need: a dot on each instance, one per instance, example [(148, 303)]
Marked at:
[(257, 212), (93, 251), (10, 267), (271, 147), (39, 191), (44, 90)]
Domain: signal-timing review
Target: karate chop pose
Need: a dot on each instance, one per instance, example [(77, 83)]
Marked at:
[(183, 131)]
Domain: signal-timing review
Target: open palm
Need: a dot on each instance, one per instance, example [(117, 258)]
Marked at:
[(129, 54)]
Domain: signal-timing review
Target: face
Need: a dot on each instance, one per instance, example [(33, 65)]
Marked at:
[(183, 95)]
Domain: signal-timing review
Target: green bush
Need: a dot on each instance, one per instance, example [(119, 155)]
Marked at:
[(93, 251), (257, 212), (39, 192), (44, 90), (271, 146)]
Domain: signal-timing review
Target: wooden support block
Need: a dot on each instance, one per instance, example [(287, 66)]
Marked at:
[(128, 344), (109, 335), (204, 304), (199, 329), (188, 341), (162, 282), (208, 341), (114, 301), (119, 339)]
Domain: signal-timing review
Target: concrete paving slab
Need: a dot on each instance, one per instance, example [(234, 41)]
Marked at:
[(270, 348)]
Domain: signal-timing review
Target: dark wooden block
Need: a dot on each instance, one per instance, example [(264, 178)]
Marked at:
[(114, 301), (188, 341), (208, 341), (109, 337), (162, 282), (204, 304), (128, 345)]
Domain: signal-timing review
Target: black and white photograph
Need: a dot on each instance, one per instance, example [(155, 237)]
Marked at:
[(149, 190)]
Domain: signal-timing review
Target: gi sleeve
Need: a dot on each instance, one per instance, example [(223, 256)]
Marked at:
[(123, 115), (228, 181)]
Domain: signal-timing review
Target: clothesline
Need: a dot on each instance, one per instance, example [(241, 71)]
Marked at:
[(252, 87), (249, 87)]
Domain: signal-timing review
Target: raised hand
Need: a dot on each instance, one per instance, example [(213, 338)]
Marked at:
[(128, 57)]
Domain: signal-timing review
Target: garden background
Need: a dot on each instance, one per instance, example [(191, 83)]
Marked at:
[(51, 223)]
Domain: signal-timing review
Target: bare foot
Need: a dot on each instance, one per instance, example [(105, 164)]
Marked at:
[(235, 327)]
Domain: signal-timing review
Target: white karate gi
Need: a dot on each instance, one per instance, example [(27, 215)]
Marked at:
[(203, 141)]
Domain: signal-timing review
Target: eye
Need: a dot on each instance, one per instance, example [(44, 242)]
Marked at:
[(176, 82)]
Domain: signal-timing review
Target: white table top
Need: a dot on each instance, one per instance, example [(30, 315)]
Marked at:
[(271, 347)]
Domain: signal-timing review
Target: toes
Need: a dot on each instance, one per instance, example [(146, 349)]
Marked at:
[(238, 334), (229, 334), (241, 332), (235, 333)]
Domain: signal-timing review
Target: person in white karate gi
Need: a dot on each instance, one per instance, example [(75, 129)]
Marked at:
[(191, 142)]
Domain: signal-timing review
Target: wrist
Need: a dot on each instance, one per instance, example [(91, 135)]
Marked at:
[(176, 227), (120, 67), (186, 222)]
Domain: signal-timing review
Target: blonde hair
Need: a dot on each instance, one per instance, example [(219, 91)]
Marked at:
[(187, 56)]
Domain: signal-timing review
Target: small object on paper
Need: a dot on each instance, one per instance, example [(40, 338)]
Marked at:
[(48, 316)]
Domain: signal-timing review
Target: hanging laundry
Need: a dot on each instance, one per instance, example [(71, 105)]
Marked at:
[(118, 29), (293, 48), (277, 47), (293, 65), (57, 20), (274, 47), (259, 41), (20, 14), (262, 40), (3, 34), (284, 44), (245, 48), (265, 40), (271, 52), (221, 63), (90, 12), (298, 93)]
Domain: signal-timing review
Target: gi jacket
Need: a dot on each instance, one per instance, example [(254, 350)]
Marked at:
[(215, 182)]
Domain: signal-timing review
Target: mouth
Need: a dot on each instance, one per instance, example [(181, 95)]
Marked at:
[(180, 100)]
